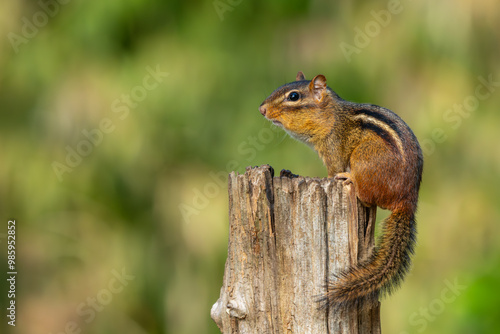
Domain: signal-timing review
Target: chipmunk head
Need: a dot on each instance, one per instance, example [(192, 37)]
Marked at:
[(301, 108)]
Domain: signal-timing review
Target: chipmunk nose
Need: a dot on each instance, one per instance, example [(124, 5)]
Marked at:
[(263, 110)]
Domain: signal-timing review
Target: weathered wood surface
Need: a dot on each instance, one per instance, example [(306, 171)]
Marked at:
[(286, 238)]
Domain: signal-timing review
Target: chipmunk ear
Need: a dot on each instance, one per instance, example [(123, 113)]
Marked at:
[(317, 86), (300, 76)]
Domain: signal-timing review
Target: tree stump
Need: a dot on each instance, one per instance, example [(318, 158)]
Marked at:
[(287, 237)]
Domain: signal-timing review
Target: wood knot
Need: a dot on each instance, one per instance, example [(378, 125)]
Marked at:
[(236, 309)]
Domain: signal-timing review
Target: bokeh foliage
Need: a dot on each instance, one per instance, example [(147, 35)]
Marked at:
[(150, 196)]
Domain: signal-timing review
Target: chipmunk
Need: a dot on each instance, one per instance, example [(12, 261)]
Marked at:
[(372, 148)]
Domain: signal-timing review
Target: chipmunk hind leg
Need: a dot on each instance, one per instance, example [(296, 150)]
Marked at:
[(377, 173)]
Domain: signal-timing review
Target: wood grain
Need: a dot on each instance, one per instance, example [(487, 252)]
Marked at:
[(287, 237)]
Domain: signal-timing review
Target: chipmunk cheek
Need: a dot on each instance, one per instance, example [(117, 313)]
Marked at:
[(270, 115), (293, 126)]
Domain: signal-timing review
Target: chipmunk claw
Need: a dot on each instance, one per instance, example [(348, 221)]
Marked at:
[(345, 178)]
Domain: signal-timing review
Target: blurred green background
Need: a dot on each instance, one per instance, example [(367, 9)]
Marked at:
[(120, 119)]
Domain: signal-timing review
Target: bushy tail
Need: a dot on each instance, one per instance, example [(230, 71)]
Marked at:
[(383, 272)]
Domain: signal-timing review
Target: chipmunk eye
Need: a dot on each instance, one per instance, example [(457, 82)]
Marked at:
[(294, 96)]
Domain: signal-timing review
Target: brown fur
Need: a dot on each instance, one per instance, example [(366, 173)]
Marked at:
[(379, 154)]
